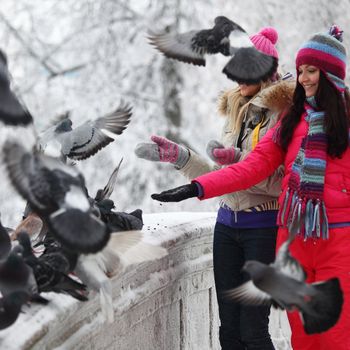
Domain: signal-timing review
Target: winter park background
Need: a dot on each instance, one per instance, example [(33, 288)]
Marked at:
[(86, 56)]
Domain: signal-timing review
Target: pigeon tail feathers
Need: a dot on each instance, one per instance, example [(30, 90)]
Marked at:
[(327, 305), (79, 231), (250, 66), (106, 301)]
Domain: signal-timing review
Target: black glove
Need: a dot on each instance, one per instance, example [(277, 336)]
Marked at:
[(177, 194)]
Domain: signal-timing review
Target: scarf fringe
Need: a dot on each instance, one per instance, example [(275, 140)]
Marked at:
[(305, 217)]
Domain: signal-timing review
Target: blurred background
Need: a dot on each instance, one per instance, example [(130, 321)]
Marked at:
[(85, 56)]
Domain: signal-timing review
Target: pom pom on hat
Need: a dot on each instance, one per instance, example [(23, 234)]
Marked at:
[(270, 33), (265, 41), (336, 32)]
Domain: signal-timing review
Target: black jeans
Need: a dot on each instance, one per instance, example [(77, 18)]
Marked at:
[(242, 327)]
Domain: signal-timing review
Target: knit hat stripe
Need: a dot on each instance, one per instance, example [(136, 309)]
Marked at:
[(323, 61), (306, 55), (328, 39), (327, 48)]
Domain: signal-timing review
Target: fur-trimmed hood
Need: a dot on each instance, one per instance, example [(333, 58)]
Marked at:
[(276, 97)]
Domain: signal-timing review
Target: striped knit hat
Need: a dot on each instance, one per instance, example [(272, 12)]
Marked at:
[(326, 52)]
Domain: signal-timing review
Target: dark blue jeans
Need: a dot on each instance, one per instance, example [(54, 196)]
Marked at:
[(242, 327)]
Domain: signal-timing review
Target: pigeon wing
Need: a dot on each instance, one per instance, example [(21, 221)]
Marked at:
[(109, 188), (78, 231), (287, 264), (20, 166), (179, 46), (248, 294), (250, 66), (5, 243), (11, 110), (131, 249), (87, 139)]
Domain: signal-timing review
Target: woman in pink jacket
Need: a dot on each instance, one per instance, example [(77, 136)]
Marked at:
[(312, 141)]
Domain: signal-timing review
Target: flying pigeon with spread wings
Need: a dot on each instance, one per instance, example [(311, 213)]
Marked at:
[(87, 139), (57, 192), (246, 65), (283, 285)]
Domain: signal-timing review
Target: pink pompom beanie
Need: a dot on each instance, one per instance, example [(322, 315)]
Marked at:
[(265, 41)]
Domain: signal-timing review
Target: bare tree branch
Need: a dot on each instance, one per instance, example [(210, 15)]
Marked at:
[(68, 70), (26, 46)]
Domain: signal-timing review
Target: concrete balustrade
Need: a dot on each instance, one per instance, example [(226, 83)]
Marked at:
[(167, 304)]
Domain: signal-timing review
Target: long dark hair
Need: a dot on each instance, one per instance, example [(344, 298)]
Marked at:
[(337, 116)]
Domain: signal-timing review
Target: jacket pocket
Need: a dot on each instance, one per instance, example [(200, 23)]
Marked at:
[(337, 192), (346, 185)]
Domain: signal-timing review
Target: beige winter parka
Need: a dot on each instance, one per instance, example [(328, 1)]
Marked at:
[(261, 115)]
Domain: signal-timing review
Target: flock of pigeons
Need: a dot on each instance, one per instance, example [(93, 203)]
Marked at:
[(70, 242)]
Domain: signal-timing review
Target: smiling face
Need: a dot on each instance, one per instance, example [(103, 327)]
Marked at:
[(308, 78), (249, 90)]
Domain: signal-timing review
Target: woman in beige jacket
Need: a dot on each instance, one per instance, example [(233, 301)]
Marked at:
[(246, 223)]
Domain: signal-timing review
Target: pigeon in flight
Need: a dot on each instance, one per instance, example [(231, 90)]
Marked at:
[(61, 140), (247, 65), (283, 285), (57, 192), (12, 112)]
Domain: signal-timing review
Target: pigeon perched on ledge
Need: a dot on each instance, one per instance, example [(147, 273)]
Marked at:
[(32, 224), (57, 192), (47, 277), (283, 285), (10, 307), (12, 112), (87, 139), (246, 65), (15, 275)]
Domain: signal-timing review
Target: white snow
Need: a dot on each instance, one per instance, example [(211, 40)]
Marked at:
[(103, 47)]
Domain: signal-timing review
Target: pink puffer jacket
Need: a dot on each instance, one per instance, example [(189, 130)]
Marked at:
[(265, 159)]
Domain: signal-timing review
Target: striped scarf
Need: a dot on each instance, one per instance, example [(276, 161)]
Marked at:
[(303, 211)]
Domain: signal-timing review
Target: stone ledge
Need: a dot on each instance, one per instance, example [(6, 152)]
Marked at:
[(164, 304)]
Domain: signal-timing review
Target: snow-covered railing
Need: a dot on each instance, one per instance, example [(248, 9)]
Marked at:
[(164, 304)]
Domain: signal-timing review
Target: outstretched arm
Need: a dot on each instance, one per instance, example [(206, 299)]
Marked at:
[(260, 163)]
